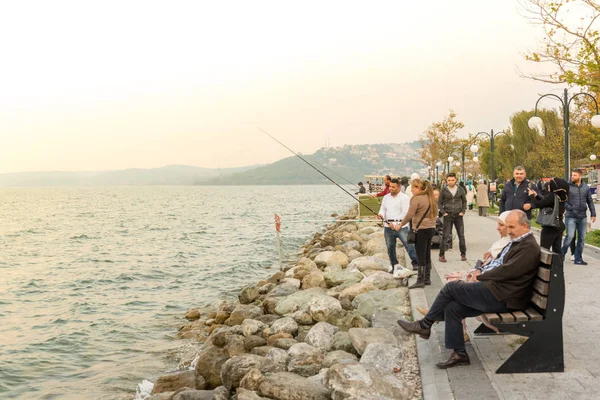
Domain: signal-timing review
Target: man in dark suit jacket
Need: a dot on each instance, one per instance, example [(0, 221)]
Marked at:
[(505, 288)]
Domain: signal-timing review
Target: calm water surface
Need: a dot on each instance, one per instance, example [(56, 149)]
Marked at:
[(94, 281)]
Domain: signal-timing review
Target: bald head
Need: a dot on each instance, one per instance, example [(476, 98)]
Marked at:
[(517, 224)]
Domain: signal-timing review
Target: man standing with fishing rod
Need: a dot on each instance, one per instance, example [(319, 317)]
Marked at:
[(386, 180), (394, 207)]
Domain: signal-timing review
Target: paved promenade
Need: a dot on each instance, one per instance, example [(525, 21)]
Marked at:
[(581, 325)]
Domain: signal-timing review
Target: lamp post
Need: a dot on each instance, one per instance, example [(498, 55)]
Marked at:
[(437, 174), (492, 136), (429, 171), (535, 122), (450, 159)]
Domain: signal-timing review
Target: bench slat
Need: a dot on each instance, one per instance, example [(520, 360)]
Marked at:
[(541, 287), (533, 315), (493, 317), (546, 257), (539, 300), (507, 317), (544, 273), (520, 316)]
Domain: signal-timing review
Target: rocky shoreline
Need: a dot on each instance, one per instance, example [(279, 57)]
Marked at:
[(324, 328)]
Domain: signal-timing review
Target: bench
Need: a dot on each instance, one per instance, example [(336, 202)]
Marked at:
[(541, 322)]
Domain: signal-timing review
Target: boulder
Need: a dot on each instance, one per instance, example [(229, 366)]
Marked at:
[(289, 386), (330, 258), (251, 327), (314, 279), (321, 335), (261, 350), (284, 343), (293, 282), (178, 380), (369, 262), (351, 245), (268, 319), (366, 231), (321, 307), (248, 295), (234, 369), (281, 335), (278, 356), (333, 268), (266, 288), (338, 278), (305, 360), (210, 360), (254, 341), (382, 356), (192, 314), (252, 379), (245, 394), (235, 345), (338, 356), (363, 381), (285, 325), (382, 280), (342, 341), (356, 289), (362, 337), (387, 319), (374, 246), (297, 301), (302, 318), (282, 290), (348, 319), (219, 393), (243, 311), (353, 255), (377, 300)]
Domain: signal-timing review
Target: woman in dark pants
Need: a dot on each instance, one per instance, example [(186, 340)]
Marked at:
[(551, 238), (422, 213)]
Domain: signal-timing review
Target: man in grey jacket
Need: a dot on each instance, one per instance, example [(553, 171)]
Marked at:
[(453, 204), (580, 199)]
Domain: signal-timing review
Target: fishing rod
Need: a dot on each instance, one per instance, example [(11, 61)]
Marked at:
[(353, 184), (316, 169)]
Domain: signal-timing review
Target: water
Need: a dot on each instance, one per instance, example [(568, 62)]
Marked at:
[(94, 281)]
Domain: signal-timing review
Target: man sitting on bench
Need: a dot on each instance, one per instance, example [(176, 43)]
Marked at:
[(505, 288)]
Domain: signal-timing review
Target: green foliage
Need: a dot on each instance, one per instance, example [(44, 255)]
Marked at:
[(440, 141), (593, 238)]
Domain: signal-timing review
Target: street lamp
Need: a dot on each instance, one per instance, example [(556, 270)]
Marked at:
[(536, 122), (437, 174), (429, 170), (450, 159), (492, 136), (593, 157)]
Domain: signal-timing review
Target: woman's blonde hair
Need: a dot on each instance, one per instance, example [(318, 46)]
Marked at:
[(427, 190)]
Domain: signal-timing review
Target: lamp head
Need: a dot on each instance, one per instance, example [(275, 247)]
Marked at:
[(596, 121), (476, 159), (450, 159), (535, 122), (439, 163), (593, 157), (474, 148)]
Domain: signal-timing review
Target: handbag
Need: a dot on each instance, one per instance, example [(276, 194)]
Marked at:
[(548, 216), (411, 236)]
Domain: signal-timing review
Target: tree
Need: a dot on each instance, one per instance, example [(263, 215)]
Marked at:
[(439, 141)]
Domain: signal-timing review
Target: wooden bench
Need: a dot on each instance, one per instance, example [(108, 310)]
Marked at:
[(541, 322)]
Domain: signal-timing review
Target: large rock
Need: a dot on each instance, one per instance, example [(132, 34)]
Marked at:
[(288, 386), (234, 369), (297, 301), (314, 279), (383, 356), (251, 327), (248, 294), (342, 341), (178, 380), (374, 246), (210, 360), (391, 299), (364, 381), (305, 360), (245, 394), (219, 393), (283, 290), (353, 255), (278, 356), (331, 258), (362, 337), (351, 245), (321, 307), (387, 319), (348, 319), (356, 289), (254, 341), (321, 335), (382, 280), (192, 314), (284, 325), (369, 262), (243, 311), (338, 278), (338, 356), (293, 282)]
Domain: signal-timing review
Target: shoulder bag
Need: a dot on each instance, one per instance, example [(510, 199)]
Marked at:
[(548, 216), (411, 237)]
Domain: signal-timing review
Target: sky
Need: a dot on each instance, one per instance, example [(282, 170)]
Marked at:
[(87, 86)]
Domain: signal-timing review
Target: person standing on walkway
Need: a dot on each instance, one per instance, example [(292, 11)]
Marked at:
[(470, 195), (453, 203), (551, 236), (386, 190), (515, 195), (483, 201), (421, 214), (394, 207), (580, 199), (361, 188), (505, 288)]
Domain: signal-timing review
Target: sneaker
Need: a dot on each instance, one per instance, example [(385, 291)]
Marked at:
[(572, 257), (463, 257), (580, 262), (443, 259)]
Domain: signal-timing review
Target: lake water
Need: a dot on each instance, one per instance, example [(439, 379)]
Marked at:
[(94, 282)]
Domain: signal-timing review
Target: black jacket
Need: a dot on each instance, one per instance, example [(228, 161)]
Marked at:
[(452, 205), (514, 198), (580, 199)]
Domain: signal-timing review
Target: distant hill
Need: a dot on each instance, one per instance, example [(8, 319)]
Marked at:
[(168, 175), (349, 162)]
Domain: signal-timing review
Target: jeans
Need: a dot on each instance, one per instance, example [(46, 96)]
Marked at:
[(459, 300), (579, 225), (458, 222), (423, 246), (390, 241)]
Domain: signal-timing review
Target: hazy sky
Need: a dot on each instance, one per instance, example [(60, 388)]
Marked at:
[(120, 84)]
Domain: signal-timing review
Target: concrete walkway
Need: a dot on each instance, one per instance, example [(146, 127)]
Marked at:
[(581, 325)]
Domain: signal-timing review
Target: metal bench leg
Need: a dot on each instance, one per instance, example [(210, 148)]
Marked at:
[(542, 352)]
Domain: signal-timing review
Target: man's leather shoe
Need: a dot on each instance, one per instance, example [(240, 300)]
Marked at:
[(414, 327), (454, 360), (443, 259), (463, 257)]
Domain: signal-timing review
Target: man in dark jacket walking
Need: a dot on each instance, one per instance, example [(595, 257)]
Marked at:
[(453, 204), (580, 199), (515, 195)]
